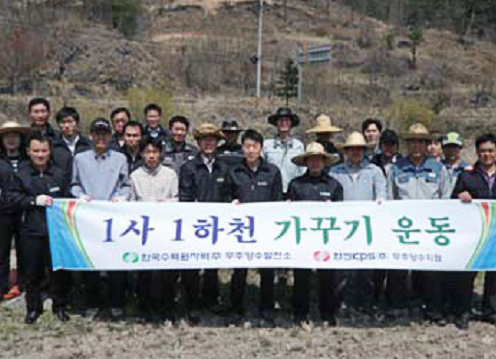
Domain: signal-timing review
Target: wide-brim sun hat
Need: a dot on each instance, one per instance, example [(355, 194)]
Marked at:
[(324, 125), (354, 140), (315, 149), (207, 130)]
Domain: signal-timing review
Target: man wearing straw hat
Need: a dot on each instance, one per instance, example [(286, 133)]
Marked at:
[(316, 185), (280, 150), (11, 144), (203, 179), (416, 177), (324, 131), (361, 181)]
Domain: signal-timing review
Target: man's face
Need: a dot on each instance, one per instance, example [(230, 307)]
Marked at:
[(487, 153), (101, 140), (372, 133), (315, 164), (132, 137), (119, 121), (69, 127), (435, 148), (452, 152), (151, 156), (39, 153), (389, 149), (11, 141), (355, 155), (284, 124), (417, 149), (153, 119), (178, 132), (208, 145), (252, 150), (39, 115), (231, 137)]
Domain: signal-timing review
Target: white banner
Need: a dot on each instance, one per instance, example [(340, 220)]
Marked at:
[(417, 235)]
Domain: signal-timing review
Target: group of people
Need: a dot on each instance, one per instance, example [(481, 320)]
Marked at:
[(126, 160)]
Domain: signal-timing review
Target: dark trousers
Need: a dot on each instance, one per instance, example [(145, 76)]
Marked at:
[(489, 297), (238, 289), (157, 290), (398, 288), (458, 288), (116, 284), (330, 292), (190, 280), (9, 229), (361, 290), (35, 255)]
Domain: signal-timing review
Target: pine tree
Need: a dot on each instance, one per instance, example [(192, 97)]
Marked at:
[(287, 83)]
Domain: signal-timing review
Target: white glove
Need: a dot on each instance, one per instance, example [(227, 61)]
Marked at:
[(85, 198), (44, 200), (119, 199)]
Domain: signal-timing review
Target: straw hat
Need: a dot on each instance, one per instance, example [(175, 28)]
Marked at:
[(13, 126), (207, 129), (355, 139), (284, 112), (315, 149), (324, 125), (417, 132)]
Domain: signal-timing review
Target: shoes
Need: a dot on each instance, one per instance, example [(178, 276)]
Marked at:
[(461, 322), (91, 313), (32, 317), (14, 292), (116, 313), (61, 315)]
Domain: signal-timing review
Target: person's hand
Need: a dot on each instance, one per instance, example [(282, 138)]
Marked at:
[(465, 197), (236, 202), (44, 201), (85, 198), (118, 199), (379, 201)]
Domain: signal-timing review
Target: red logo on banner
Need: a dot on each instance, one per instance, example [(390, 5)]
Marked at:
[(321, 256)]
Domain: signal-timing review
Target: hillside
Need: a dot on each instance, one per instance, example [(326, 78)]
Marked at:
[(196, 55)]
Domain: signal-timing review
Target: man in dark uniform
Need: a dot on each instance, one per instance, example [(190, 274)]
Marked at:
[(133, 138), (153, 128), (477, 182), (203, 179), (71, 141), (39, 114), (119, 117), (177, 151), (34, 188), (230, 151), (316, 185), (254, 180)]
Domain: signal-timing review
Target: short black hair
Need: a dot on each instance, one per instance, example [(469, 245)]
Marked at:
[(389, 137), (488, 137), (39, 101), (371, 121), (38, 136), (133, 124), (150, 141), (153, 107), (119, 110), (65, 112), (253, 135), (181, 119)]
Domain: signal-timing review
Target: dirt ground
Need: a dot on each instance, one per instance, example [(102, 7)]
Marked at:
[(355, 336)]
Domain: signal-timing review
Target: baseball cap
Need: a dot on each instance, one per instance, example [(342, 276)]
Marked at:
[(452, 138), (100, 125)]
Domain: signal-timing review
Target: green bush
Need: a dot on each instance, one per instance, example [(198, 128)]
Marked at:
[(124, 15), (139, 97)]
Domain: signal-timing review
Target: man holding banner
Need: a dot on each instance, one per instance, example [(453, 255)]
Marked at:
[(254, 180), (102, 174), (316, 185), (34, 188), (203, 179), (361, 181), (477, 182), (417, 177)]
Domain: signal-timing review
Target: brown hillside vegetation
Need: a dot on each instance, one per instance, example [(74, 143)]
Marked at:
[(197, 53)]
